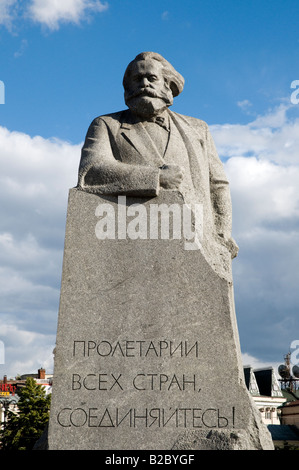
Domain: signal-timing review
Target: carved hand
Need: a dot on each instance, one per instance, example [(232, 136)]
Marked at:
[(171, 176)]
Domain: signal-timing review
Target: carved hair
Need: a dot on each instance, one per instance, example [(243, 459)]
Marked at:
[(174, 79)]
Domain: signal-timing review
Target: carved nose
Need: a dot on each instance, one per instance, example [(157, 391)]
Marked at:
[(145, 82)]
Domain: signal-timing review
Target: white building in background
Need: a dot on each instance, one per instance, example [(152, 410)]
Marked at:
[(266, 393)]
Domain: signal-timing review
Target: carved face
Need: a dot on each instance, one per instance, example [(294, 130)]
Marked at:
[(148, 93)]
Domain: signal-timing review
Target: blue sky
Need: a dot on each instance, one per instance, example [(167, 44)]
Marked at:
[(62, 64), (228, 52)]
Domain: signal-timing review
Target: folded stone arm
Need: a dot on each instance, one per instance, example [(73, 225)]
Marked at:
[(101, 172)]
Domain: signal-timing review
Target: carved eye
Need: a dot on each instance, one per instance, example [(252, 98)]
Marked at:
[(152, 78)]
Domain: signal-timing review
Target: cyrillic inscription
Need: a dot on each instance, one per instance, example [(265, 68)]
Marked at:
[(130, 348), (148, 417), (105, 381), (141, 382)]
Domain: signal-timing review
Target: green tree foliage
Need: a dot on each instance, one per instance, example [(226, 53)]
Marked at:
[(23, 428)]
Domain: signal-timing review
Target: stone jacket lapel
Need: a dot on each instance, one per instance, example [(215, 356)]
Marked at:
[(135, 144)]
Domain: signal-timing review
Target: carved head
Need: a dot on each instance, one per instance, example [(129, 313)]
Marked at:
[(150, 83)]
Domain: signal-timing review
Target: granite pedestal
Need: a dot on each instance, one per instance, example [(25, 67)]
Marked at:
[(147, 353)]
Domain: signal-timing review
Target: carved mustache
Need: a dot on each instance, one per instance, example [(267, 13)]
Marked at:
[(143, 92)]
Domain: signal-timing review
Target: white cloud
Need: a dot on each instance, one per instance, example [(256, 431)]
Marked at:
[(7, 12), (273, 137), (35, 167), (25, 351), (263, 191), (34, 185), (256, 363), (52, 13), (20, 51), (49, 13), (262, 164), (245, 105)]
